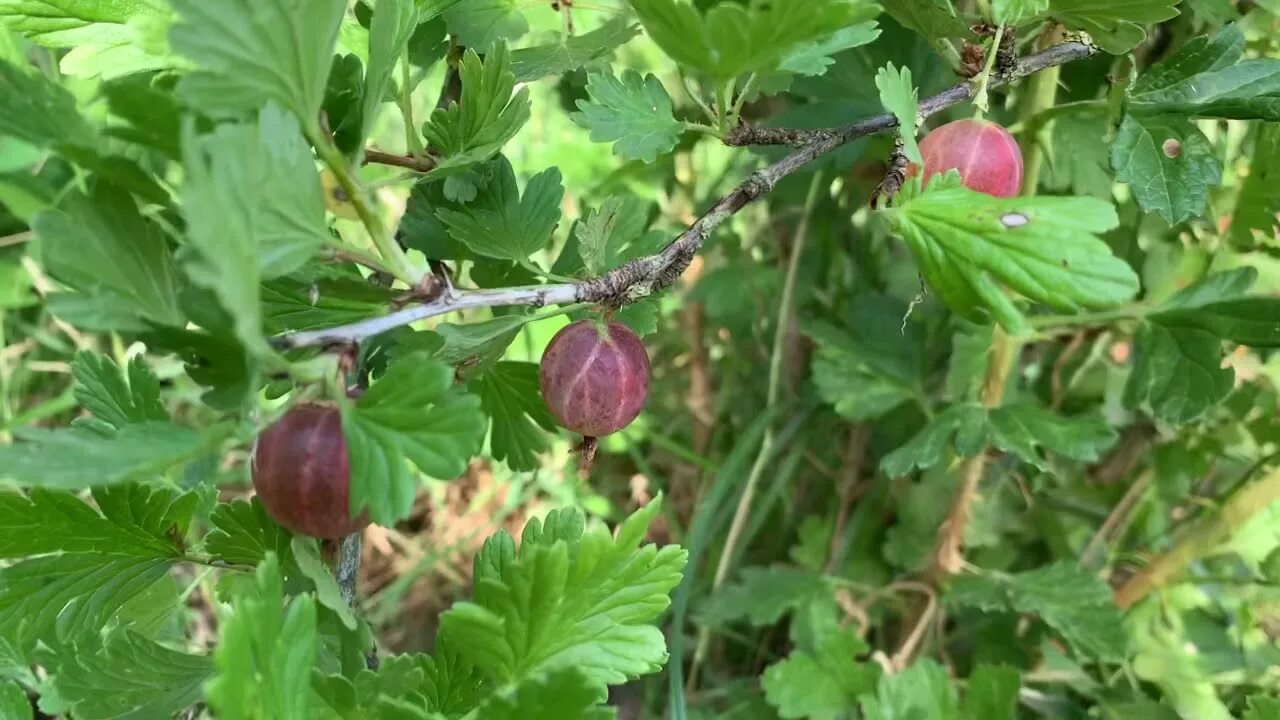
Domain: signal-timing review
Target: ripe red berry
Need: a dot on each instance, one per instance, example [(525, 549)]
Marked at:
[(302, 474), (595, 377), (987, 156)]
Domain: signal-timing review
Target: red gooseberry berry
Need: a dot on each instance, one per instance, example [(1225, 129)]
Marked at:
[(986, 155), (595, 377)]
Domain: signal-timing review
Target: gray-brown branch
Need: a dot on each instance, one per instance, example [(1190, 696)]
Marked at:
[(643, 276)]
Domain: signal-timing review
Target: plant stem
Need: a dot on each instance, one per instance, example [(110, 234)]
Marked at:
[(412, 141), (1202, 537), (785, 317), (984, 79), (1041, 94), (382, 240), (747, 88)]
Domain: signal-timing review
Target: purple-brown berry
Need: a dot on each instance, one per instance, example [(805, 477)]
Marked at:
[(302, 473), (595, 377)]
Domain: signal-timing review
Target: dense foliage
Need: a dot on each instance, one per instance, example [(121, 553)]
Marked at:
[(1002, 445)]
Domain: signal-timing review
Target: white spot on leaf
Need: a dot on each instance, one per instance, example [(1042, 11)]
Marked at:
[(1013, 219)]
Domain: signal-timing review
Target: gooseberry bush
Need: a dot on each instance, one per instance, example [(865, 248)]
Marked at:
[(485, 359)]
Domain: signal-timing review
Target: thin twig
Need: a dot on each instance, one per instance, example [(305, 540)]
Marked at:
[(378, 157), (641, 277), (1050, 57), (346, 573), (1119, 516)]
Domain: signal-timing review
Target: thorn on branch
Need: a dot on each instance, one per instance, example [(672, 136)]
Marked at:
[(893, 179)]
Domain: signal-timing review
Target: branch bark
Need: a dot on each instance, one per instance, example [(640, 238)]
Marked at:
[(644, 276)]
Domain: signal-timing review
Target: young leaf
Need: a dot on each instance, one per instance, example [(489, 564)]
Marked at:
[(486, 117), (991, 693), (1256, 220), (243, 534), (393, 22), (921, 691), (250, 53), (410, 416), (821, 681), (266, 653), (115, 399), (1168, 163), (127, 675), (898, 96), (481, 23), (500, 223), (78, 457), (1115, 26), (632, 112), (1074, 602), (568, 599), (117, 262), (1207, 78), (967, 244), (763, 595), (518, 418), (606, 231), (572, 51), (132, 520)]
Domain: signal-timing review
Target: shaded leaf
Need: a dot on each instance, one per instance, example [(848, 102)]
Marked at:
[(131, 520), (1256, 219), (991, 693), (1115, 25), (480, 23), (393, 22), (1168, 163), (78, 457), (518, 417), (572, 51), (501, 223), (921, 692), (114, 398), (243, 534), (1025, 429), (1208, 78), (762, 595)]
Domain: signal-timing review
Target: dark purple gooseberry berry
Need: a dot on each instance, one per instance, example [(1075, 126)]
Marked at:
[(595, 377), (302, 473)]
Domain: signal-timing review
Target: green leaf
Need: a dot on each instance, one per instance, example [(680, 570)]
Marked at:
[(127, 676), (1025, 429), (131, 520), (480, 343), (1256, 220), (813, 58), (1169, 164), (1263, 708), (1080, 155), (518, 418), (606, 231), (66, 596), (486, 117), (300, 303), (572, 51), (868, 365), (117, 262), (254, 210), (1208, 78), (14, 704), (1115, 25), (733, 39), (36, 110), (410, 416), (80, 23), (968, 244), (632, 112), (965, 422), (933, 19), (563, 693), (1011, 12), (79, 457), (114, 398), (480, 23), (393, 22), (265, 653), (568, 599), (762, 595), (243, 534), (306, 552), (153, 115), (821, 682), (250, 53), (898, 96), (1177, 371), (500, 223), (991, 693), (1074, 602), (921, 692)]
